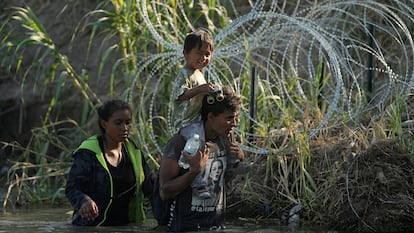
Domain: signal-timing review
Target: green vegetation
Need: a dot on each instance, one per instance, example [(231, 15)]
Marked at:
[(319, 136)]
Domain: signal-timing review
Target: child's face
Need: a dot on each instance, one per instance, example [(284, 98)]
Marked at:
[(198, 58)]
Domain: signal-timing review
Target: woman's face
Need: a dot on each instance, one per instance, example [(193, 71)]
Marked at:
[(216, 170), (118, 126)]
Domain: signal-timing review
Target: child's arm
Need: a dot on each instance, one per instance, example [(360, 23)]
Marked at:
[(190, 93)]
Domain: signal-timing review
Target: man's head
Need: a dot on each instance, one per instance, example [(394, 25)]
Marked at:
[(198, 48), (221, 114)]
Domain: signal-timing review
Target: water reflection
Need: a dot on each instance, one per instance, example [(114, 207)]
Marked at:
[(55, 220), (58, 220)]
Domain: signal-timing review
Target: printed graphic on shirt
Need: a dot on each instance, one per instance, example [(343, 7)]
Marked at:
[(214, 180)]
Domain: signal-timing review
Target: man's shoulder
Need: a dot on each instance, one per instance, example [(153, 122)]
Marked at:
[(175, 141), (177, 138), (174, 146)]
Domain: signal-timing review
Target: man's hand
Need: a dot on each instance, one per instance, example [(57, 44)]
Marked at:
[(198, 161)]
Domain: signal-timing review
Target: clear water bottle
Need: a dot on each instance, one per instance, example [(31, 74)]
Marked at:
[(191, 147)]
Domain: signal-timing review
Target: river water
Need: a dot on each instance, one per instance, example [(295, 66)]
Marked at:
[(57, 220)]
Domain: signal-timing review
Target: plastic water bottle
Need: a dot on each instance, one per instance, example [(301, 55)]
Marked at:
[(191, 147)]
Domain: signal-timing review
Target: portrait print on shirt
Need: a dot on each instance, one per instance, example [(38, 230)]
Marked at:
[(214, 178)]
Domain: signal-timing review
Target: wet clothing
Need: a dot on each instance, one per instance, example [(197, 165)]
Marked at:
[(118, 191), (187, 111), (123, 179), (188, 212)]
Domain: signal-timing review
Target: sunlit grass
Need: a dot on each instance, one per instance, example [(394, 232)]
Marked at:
[(39, 174)]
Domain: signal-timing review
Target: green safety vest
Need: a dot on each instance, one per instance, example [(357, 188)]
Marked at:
[(136, 205)]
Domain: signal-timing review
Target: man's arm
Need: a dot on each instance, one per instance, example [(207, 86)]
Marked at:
[(171, 182)]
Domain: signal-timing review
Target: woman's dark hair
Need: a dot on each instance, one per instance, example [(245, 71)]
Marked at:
[(198, 38), (108, 108), (231, 102)]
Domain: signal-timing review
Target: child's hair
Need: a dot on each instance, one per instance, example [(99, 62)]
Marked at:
[(108, 108), (231, 102), (198, 38)]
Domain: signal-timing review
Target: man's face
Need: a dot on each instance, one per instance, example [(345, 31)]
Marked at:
[(224, 122)]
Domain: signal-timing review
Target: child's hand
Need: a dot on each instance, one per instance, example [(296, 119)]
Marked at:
[(206, 88)]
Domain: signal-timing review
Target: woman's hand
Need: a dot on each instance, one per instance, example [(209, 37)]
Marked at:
[(89, 210)]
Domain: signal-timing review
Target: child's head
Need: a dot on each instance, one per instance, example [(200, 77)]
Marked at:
[(198, 48), (197, 39)]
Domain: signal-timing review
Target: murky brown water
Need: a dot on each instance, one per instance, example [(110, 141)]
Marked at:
[(57, 220)]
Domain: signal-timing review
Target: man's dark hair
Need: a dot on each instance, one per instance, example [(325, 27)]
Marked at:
[(231, 102)]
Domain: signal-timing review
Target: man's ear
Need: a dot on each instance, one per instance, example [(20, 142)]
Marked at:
[(103, 123), (210, 116)]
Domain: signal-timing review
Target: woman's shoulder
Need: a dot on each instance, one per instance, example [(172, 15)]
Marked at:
[(89, 147), (83, 153)]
